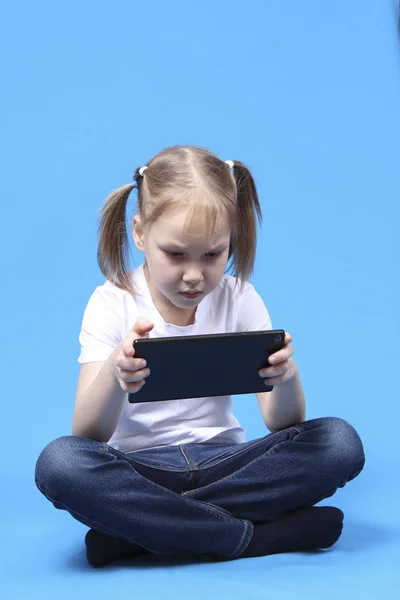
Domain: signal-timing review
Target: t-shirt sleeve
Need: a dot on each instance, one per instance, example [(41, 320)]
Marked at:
[(102, 324), (252, 312)]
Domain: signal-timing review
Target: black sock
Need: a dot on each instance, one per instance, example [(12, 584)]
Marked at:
[(297, 531), (102, 548)]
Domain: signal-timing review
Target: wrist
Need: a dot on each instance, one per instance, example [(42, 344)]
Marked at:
[(292, 373)]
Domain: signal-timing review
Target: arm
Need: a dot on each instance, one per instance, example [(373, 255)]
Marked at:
[(99, 400), (285, 405), (102, 387)]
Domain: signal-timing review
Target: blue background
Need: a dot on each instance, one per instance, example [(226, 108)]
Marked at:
[(307, 94)]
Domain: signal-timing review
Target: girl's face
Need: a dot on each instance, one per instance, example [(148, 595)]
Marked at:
[(178, 263)]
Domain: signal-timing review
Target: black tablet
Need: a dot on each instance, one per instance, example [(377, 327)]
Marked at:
[(195, 366)]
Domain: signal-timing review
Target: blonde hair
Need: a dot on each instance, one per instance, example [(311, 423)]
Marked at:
[(183, 177)]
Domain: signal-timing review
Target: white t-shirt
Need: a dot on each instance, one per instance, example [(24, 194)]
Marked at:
[(109, 316)]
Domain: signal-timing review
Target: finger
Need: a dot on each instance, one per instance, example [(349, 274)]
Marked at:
[(279, 378), (275, 371), (132, 388), (141, 329), (130, 364), (272, 372), (281, 355), (134, 376), (127, 345)]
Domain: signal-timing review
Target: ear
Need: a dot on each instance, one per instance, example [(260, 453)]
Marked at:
[(138, 234)]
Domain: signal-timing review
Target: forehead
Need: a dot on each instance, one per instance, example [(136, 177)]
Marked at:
[(178, 227)]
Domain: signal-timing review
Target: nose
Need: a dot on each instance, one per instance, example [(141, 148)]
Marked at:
[(193, 276)]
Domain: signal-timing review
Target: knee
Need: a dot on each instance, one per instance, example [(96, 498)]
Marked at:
[(58, 461), (345, 448)]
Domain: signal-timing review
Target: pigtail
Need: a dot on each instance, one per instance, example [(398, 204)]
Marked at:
[(244, 242), (113, 249)]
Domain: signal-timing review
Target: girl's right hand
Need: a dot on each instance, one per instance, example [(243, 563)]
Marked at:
[(131, 372)]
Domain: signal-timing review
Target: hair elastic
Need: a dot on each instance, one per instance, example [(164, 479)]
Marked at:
[(142, 170), (230, 163)]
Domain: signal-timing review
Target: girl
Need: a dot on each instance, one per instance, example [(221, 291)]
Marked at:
[(178, 477)]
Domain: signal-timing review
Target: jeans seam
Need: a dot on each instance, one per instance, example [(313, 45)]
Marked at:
[(238, 549), (192, 467)]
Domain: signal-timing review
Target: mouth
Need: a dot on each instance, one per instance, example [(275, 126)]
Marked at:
[(190, 295)]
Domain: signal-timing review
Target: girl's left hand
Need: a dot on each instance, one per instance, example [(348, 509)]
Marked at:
[(283, 367)]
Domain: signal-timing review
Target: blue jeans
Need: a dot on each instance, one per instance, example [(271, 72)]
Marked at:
[(199, 499)]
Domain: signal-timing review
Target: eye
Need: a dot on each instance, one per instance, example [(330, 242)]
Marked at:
[(173, 254), (179, 254)]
